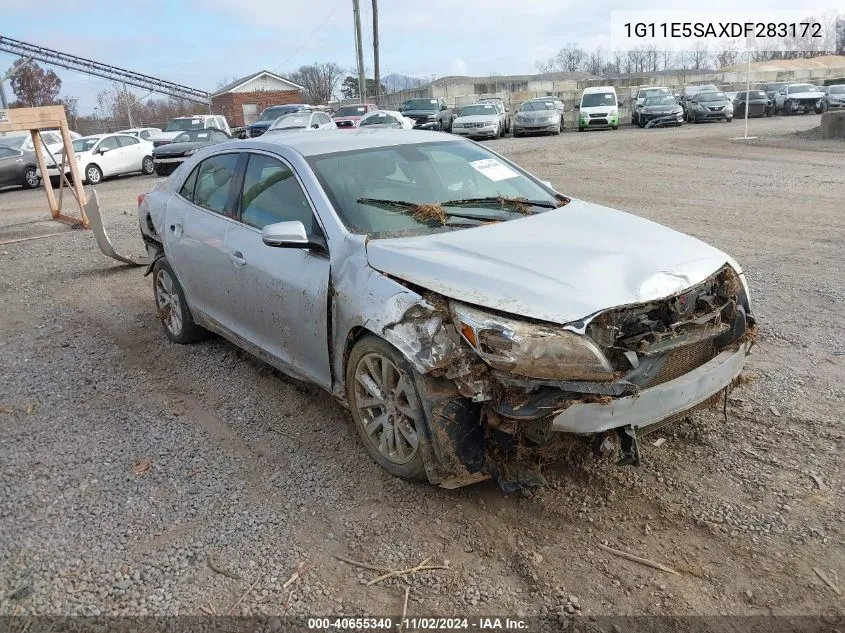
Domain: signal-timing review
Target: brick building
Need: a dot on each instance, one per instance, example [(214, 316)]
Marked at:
[(243, 100)]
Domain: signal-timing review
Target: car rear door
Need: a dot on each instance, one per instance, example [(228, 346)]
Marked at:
[(111, 159), (281, 293), (11, 162), (196, 220), (132, 153)]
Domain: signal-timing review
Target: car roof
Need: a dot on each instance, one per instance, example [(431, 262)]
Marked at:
[(330, 141), (597, 89)]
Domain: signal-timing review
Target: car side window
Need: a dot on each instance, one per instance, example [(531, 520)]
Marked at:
[(187, 190), (6, 152), (272, 194), (109, 143), (126, 141), (214, 178), (219, 136), (145, 134)]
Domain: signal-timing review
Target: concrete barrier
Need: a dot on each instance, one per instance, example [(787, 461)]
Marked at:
[(833, 125)]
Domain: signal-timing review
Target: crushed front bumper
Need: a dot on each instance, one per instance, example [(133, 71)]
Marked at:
[(661, 120), (658, 403)]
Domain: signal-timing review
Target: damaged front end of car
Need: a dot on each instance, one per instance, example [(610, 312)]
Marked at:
[(504, 395)]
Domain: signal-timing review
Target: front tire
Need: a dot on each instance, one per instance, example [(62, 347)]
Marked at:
[(171, 306), (382, 395), (93, 175), (30, 178), (147, 165)]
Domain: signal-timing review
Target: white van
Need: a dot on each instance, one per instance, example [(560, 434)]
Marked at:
[(599, 108)]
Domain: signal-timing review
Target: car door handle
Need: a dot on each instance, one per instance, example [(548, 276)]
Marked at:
[(237, 258), (176, 229)]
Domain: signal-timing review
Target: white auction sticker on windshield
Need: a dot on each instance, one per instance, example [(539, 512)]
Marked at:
[(493, 169)]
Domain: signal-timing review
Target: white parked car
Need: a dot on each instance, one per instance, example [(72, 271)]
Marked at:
[(479, 120), (103, 155), (146, 133), (387, 118), (23, 141), (794, 98), (307, 121)]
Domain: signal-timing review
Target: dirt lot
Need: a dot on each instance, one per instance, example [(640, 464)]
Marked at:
[(142, 477)]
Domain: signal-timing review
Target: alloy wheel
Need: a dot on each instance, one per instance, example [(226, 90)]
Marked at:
[(168, 303), (383, 395), (31, 177)]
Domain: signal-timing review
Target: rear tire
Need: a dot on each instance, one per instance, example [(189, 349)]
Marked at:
[(382, 395), (172, 307), (147, 165), (30, 178)]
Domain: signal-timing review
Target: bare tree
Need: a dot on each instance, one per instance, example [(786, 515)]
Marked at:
[(571, 57), (595, 62), (699, 56), (728, 56), (319, 81), (666, 59), (544, 67)]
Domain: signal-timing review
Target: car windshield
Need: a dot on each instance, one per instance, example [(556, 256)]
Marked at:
[(712, 96), (421, 104), (660, 101), (651, 92), (754, 94), (180, 125), (802, 88), (597, 99), (84, 144), (16, 141), (192, 136), (472, 110), (379, 119), (536, 106), (271, 114), (356, 110), (291, 122), (836, 90), (423, 174)]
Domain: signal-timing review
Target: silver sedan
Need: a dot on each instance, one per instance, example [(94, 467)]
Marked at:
[(467, 313)]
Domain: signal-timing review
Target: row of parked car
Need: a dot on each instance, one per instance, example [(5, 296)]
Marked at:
[(655, 106)]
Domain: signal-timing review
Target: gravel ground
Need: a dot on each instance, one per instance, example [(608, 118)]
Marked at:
[(142, 477)]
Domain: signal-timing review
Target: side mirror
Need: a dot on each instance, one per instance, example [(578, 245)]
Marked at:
[(316, 126), (443, 106), (577, 106), (618, 104), (103, 150), (288, 235)]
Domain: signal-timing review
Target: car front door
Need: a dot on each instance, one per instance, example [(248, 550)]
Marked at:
[(196, 220), (281, 293), (107, 156)]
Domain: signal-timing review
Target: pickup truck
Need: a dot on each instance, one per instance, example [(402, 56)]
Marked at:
[(349, 116), (428, 114), (184, 123)]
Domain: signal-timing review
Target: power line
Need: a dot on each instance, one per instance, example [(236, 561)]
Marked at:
[(310, 35), (98, 69)]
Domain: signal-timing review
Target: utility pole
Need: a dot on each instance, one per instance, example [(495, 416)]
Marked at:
[(375, 50), (362, 79)]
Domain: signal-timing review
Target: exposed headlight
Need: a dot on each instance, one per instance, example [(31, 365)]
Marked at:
[(528, 349), (191, 151), (519, 118)]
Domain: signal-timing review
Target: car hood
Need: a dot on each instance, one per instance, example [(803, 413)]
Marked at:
[(559, 266), (180, 148), (537, 114), (478, 118), (662, 108), (804, 95), (165, 136), (418, 112)]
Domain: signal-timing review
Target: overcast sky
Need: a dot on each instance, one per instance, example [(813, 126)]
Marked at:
[(199, 43)]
